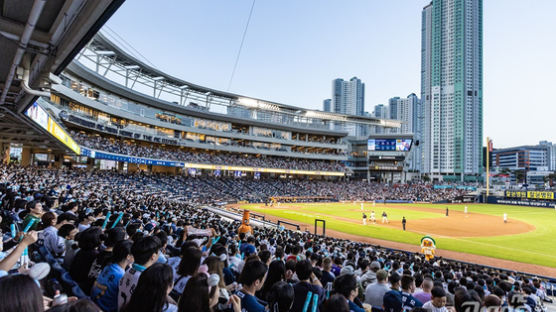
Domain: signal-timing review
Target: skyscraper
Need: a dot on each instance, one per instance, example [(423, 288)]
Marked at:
[(348, 97), (380, 111), (327, 105), (451, 87)]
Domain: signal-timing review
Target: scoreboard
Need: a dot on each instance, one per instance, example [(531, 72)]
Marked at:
[(384, 145), (529, 194)]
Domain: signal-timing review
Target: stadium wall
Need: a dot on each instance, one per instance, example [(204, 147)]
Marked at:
[(520, 202)]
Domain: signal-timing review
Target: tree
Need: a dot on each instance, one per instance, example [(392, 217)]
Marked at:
[(519, 176)]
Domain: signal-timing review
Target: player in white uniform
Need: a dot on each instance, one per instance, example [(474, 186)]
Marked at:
[(373, 218), (361, 206), (465, 209), (364, 219), (505, 217)]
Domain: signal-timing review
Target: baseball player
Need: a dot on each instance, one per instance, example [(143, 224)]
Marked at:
[(384, 217), (361, 206), (505, 217), (465, 209), (364, 219), (373, 218)]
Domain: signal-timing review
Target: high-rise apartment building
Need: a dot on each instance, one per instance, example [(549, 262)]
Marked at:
[(327, 105), (348, 97), (380, 111), (451, 87)]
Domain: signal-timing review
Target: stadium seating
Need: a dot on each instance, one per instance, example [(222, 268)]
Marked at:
[(170, 208)]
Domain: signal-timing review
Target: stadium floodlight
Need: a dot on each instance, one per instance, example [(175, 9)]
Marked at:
[(132, 67), (105, 52), (184, 87), (158, 78)]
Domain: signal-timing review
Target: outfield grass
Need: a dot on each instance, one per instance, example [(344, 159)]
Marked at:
[(535, 247)]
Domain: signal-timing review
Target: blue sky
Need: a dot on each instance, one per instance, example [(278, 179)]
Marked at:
[(294, 48)]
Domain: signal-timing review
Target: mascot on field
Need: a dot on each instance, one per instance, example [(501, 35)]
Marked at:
[(428, 245), (245, 227)]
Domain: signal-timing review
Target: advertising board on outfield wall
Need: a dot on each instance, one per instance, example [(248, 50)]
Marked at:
[(520, 202), (529, 194)]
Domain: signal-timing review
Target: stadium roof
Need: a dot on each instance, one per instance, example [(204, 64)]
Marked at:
[(37, 39), (107, 55)]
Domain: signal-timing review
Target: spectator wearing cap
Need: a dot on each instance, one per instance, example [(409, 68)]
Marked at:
[(370, 276), (248, 248), (392, 301), (374, 293)]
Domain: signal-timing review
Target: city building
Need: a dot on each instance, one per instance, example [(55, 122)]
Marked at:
[(533, 161), (451, 88), (327, 105), (348, 97), (382, 111)]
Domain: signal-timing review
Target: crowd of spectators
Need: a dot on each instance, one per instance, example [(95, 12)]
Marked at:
[(167, 152), (79, 240)]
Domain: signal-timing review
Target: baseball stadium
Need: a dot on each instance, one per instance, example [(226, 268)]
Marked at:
[(124, 187)]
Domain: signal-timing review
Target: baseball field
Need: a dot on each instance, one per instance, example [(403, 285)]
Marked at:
[(528, 236)]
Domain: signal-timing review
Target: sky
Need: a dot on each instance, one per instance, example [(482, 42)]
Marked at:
[(293, 49)]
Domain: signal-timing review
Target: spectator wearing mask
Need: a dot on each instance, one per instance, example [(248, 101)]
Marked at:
[(145, 254)]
